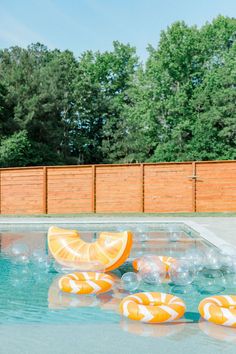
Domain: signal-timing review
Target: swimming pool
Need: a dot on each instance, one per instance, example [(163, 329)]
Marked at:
[(37, 318)]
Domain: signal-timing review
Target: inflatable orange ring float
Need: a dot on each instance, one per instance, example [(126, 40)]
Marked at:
[(220, 310), (152, 307), (86, 283), (110, 250), (58, 299)]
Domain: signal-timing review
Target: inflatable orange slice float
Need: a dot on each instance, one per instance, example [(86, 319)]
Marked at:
[(109, 251)]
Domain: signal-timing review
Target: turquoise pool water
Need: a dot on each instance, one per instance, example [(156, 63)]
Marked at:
[(35, 317)]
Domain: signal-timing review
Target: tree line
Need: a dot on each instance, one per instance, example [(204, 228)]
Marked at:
[(111, 108)]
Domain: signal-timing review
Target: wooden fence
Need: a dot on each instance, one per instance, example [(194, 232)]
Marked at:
[(163, 187)]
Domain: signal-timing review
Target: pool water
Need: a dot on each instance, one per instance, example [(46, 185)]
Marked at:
[(35, 317)]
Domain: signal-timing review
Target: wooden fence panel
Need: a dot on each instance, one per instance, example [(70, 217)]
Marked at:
[(118, 189), (165, 187), (216, 187), (21, 191), (168, 188), (69, 189)]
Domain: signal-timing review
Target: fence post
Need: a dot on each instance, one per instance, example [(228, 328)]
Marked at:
[(142, 187), (194, 179), (93, 197), (45, 190)]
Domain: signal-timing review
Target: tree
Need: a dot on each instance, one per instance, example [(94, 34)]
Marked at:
[(215, 113), (108, 108), (38, 83), (175, 76), (15, 150), (172, 72), (101, 92)]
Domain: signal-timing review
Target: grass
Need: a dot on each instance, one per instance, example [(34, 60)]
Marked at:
[(143, 215)]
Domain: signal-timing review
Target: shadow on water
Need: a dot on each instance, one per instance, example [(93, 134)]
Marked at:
[(192, 317)]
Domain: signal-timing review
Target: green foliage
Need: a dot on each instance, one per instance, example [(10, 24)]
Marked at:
[(191, 90), (101, 92), (15, 150), (108, 107)]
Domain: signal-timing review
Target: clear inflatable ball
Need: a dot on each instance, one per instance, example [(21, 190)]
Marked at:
[(196, 258), (130, 281), (19, 249), (182, 272), (152, 270), (213, 259)]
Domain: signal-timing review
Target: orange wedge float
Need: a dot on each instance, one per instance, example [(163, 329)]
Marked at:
[(110, 250)]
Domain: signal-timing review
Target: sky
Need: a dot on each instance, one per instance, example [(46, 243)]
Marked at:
[(80, 25)]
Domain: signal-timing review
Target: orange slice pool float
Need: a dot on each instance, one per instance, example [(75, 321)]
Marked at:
[(108, 252)]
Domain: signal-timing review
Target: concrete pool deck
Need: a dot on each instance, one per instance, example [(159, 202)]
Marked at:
[(218, 230)]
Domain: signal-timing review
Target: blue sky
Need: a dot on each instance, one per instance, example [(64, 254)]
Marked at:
[(79, 25)]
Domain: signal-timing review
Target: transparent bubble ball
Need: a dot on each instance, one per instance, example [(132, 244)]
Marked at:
[(213, 259), (19, 249), (182, 272), (39, 256), (22, 258), (130, 281), (174, 237), (196, 258), (141, 237), (121, 228), (152, 270)]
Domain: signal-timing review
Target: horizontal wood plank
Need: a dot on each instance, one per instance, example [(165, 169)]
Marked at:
[(161, 187)]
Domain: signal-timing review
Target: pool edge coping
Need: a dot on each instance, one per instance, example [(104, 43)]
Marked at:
[(204, 232)]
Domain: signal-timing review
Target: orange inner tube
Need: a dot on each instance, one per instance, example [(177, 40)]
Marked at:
[(108, 252), (86, 283), (220, 310), (152, 307)]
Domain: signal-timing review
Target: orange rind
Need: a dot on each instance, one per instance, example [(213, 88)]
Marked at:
[(108, 252)]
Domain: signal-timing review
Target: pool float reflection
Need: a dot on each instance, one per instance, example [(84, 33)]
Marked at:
[(218, 332), (108, 252), (151, 330), (58, 300)]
